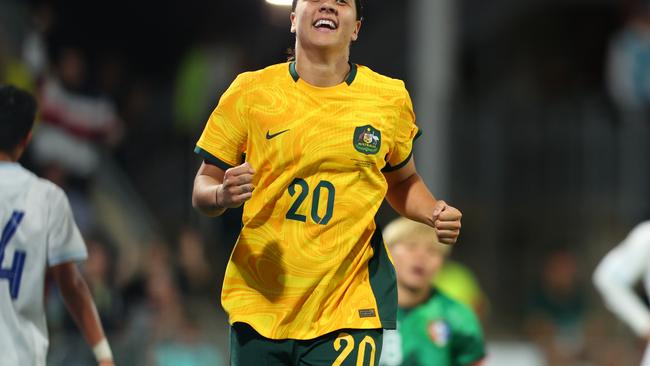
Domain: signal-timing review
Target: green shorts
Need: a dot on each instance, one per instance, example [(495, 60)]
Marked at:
[(354, 347)]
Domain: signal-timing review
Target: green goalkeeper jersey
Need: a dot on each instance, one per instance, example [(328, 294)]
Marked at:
[(438, 332)]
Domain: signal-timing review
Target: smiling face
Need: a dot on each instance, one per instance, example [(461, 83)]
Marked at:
[(417, 260), (325, 24)]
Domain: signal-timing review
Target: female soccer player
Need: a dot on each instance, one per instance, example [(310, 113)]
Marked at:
[(312, 147)]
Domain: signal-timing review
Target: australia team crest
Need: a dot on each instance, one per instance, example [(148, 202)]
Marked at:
[(367, 139)]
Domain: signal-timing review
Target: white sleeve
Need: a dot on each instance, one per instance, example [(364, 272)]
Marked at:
[(617, 274), (64, 241)]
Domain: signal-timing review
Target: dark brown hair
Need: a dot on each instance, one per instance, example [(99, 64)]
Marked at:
[(17, 112)]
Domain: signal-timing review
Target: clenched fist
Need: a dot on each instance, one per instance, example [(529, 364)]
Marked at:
[(446, 220), (237, 186)]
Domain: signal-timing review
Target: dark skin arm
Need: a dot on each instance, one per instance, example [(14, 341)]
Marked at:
[(79, 303)]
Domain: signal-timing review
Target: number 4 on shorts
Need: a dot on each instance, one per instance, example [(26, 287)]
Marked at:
[(14, 273)]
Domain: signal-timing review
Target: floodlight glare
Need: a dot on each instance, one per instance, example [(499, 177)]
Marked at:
[(280, 2)]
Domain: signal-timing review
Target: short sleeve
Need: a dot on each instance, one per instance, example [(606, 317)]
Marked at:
[(223, 141), (64, 241), (468, 345), (405, 133)]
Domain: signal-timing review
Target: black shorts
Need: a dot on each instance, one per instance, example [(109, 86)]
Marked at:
[(346, 347)]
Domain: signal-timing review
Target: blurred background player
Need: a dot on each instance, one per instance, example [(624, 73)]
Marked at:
[(618, 273), (432, 329), (39, 237), (309, 281)]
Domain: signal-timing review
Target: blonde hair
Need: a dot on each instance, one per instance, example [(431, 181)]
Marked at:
[(403, 229)]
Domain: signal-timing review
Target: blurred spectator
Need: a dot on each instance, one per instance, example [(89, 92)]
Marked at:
[(629, 61), (203, 75), (99, 272), (75, 123), (557, 310), (196, 275), (34, 48), (166, 324), (12, 70), (628, 79)]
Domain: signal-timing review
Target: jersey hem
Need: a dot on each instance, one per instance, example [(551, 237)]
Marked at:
[(384, 325), (212, 159), (74, 257)]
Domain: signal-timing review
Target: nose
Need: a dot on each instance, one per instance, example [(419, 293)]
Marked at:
[(327, 7)]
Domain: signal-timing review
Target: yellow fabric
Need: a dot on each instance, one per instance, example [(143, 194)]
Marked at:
[(295, 278)]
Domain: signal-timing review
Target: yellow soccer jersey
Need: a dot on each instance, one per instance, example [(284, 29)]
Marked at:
[(309, 259)]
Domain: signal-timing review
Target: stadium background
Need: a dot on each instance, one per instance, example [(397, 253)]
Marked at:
[(528, 129)]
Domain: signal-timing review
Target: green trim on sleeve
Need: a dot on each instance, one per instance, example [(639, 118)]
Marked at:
[(417, 135), (388, 168), (212, 159)]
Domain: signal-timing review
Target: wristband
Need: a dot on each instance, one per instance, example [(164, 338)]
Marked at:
[(102, 351)]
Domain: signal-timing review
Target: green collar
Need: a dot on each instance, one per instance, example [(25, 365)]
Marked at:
[(348, 80)]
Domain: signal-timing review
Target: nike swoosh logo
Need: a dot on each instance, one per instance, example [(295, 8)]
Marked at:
[(270, 136)]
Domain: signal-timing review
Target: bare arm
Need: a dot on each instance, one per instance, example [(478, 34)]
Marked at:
[(411, 198), (80, 303), (215, 190), (617, 274)]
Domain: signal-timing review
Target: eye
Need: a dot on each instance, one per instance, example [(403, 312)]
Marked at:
[(341, 2)]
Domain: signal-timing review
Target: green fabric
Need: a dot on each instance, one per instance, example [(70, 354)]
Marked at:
[(383, 280), (247, 347), (440, 332)]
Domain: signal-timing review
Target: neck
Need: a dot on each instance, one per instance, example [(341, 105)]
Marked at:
[(408, 297), (322, 68), (6, 158)]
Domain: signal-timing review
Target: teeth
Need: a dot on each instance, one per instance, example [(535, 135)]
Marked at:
[(325, 22)]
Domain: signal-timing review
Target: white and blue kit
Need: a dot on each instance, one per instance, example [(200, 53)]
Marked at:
[(37, 231), (618, 273)]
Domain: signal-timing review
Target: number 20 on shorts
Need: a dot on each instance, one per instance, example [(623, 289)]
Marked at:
[(346, 350)]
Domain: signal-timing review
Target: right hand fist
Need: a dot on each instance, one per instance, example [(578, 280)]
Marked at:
[(237, 186)]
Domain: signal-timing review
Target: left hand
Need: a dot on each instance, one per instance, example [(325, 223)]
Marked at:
[(446, 220)]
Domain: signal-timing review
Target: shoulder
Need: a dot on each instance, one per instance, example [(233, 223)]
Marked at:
[(267, 75), (53, 195), (381, 83)]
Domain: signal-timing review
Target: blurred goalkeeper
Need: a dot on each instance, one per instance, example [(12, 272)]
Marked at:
[(39, 236), (616, 276)]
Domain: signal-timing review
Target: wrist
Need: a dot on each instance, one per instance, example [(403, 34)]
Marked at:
[(217, 205), (102, 351)]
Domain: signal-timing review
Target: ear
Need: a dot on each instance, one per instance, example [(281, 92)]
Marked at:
[(357, 29), (292, 17)]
